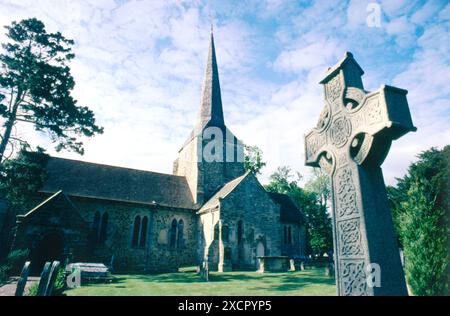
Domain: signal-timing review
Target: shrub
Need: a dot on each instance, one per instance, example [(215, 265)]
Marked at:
[(420, 204), (16, 259), (60, 282), (33, 289), (13, 264)]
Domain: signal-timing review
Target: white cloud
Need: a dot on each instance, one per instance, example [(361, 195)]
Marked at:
[(427, 11), (140, 64), (399, 26), (314, 52)]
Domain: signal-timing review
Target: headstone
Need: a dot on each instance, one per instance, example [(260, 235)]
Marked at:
[(329, 269), (302, 266), (204, 270), (23, 279), (52, 278), (291, 265), (111, 264), (43, 281), (205, 274), (350, 142)]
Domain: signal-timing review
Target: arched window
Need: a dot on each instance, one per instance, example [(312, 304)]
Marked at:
[(136, 229), (240, 232), (143, 231), (180, 239), (173, 234)]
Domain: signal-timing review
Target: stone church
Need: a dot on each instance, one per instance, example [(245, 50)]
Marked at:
[(209, 210)]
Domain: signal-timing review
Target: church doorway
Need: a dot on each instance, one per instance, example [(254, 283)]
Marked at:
[(50, 248)]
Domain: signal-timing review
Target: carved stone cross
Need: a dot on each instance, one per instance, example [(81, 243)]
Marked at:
[(350, 142)]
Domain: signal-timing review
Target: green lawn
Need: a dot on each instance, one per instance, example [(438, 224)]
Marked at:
[(309, 282)]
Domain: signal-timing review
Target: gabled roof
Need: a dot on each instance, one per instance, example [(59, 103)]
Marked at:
[(58, 205), (289, 212), (47, 201), (223, 192), (85, 179)]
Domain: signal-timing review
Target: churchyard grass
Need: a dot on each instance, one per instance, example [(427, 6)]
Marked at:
[(187, 282)]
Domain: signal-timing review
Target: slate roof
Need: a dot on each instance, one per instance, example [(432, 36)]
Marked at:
[(211, 110), (85, 179), (211, 101), (289, 212)]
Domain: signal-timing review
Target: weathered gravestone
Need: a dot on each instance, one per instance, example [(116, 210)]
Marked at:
[(43, 281), (329, 269), (23, 279), (52, 278), (350, 142)]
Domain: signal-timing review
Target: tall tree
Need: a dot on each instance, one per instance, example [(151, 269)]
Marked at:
[(22, 177), (319, 183), (20, 180), (253, 160), (421, 212), (36, 86), (283, 181)]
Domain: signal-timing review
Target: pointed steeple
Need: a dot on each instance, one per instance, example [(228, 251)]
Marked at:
[(211, 101)]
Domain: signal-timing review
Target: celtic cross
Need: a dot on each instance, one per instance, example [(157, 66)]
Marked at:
[(350, 142)]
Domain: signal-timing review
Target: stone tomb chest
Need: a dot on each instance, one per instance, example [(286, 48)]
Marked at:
[(273, 264), (90, 272)]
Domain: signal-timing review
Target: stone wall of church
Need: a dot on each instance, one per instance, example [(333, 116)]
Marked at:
[(205, 177), (187, 165), (156, 254), (209, 243), (173, 245), (53, 232), (249, 226), (293, 238)]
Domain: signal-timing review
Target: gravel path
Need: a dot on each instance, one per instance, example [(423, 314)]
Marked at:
[(10, 288)]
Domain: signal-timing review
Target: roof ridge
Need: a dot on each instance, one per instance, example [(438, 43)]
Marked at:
[(116, 167)]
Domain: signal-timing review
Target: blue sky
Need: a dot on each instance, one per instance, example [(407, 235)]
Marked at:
[(139, 65)]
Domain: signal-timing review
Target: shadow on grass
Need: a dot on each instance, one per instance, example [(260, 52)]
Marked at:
[(279, 282), (297, 283)]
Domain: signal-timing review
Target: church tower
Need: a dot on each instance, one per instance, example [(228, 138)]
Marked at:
[(212, 155)]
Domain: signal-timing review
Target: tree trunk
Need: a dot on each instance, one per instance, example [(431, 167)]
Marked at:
[(8, 128)]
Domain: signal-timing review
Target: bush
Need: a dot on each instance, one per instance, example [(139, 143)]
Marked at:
[(16, 259), (13, 264), (60, 282), (4, 273), (421, 212), (33, 289)]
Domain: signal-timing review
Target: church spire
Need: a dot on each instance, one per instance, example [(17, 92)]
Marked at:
[(211, 102)]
